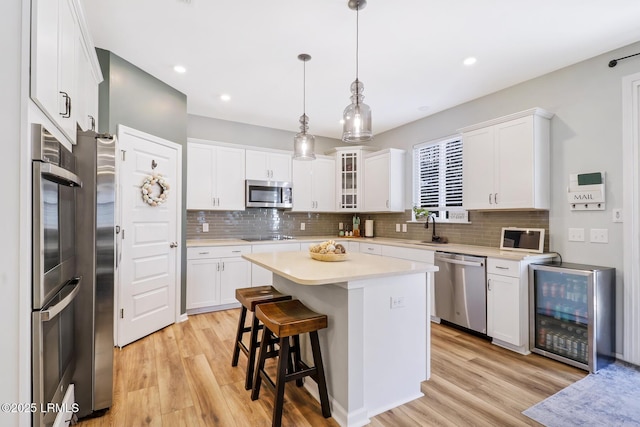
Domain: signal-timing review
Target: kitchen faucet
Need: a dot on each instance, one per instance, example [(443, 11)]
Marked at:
[(434, 238)]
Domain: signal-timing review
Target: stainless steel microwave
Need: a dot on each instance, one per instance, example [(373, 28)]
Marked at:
[(269, 194)]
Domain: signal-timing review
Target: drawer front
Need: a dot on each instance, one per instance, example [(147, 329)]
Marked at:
[(420, 255), (217, 251), (370, 248), (503, 267)]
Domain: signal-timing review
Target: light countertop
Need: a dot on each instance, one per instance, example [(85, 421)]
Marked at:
[(408, 243), (299, 267)]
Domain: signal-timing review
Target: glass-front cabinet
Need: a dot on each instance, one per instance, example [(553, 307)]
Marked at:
[(572, 313), (349, 177)]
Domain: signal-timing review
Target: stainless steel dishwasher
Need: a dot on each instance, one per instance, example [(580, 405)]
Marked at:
[(460, 290)]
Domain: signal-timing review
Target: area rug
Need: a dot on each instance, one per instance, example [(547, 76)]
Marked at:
[(610, 397)]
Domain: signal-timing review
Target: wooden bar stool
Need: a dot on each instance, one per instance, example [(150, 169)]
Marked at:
[(286, 320), (250, 298)]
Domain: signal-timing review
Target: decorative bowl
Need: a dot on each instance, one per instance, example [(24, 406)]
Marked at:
[(328, 257)]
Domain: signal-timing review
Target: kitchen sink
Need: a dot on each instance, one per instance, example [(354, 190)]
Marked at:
[(430, 243)]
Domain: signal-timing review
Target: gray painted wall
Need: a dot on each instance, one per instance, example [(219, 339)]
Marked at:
[(586, 136), (138, 100), (244, 134)]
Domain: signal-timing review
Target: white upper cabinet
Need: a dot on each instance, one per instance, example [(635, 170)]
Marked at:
[(384, 181), (266, 165), (86, 105), (349, 178), (314, 185), (215, 177), (64, 67), (506, 162)]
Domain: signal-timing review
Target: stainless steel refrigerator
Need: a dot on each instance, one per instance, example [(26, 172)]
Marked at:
[(96, 257)]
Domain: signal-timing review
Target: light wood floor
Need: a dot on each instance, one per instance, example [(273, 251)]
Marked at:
[(182, 376)]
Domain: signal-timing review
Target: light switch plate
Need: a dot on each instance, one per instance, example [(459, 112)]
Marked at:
[(302, 226)]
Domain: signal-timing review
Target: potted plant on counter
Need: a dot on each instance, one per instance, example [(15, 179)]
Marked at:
[(420, 213)]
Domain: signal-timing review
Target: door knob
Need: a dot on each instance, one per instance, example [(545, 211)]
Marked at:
[(173, 244)]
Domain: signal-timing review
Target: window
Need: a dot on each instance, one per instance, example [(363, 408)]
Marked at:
[(438, 178)]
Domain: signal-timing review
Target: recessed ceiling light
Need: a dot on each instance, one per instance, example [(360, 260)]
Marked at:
[(225, 97), (179, 69), (469, 61)]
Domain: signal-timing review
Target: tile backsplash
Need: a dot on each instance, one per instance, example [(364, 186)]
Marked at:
[(483, 230)]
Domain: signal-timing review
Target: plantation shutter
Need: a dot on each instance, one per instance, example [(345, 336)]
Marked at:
[(439, 174)]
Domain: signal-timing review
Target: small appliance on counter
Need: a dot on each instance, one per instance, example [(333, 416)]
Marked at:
[(368, 228)]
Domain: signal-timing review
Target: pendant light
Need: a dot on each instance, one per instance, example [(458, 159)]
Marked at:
[(357, 116), (304, 143)]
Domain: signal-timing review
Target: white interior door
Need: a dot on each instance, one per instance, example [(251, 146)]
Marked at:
[(150, 266)]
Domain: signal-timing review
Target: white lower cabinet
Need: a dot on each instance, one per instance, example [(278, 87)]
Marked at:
[(213, 275), (507, 319), (370, 248), (261, 276)]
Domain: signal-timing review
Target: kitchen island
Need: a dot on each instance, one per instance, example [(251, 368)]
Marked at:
[(376, 348)]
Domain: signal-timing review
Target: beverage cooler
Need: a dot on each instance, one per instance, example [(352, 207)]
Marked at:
[(572, 313)]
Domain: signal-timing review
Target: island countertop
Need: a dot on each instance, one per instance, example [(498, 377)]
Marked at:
[(300, 268)]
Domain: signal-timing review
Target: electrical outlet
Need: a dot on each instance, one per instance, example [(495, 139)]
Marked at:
[(576, 234), (599, 235), (205, 227), (397, 228), (340, 226), (302, 226), (404, 228), (397, 302)]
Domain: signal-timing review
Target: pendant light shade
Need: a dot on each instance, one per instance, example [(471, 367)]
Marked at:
[(356, 118), (304, 144)]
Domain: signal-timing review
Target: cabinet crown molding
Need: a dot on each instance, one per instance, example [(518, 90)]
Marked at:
[(530, 112)]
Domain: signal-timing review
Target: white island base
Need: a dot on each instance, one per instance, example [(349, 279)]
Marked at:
[(376, 346)]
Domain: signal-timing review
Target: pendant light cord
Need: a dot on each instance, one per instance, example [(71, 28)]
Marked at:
[(357, 51), (357, 37), (304, 97)]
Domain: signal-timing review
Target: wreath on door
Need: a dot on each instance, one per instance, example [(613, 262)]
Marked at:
[(147, 190)]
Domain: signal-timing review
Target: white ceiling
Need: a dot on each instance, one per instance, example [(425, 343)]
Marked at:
[(411, 51)]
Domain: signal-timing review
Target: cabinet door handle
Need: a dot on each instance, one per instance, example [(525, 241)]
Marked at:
[(490, 202), (223, 266), (218, 267), (235, 252), (387, 203), (218, 200), (203, 253), (489, 284), (501, 268), (67, 105), (92, 122), (495, 198)]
